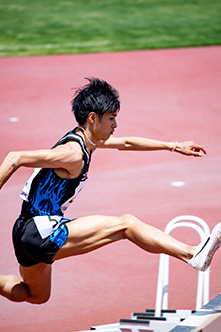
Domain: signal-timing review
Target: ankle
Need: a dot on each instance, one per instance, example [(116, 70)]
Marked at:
[(189, 253)]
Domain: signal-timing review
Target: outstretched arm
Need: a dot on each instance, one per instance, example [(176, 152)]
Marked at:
[(188, 148)]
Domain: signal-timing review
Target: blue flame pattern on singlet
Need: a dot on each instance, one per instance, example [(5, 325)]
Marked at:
[(47, 193)]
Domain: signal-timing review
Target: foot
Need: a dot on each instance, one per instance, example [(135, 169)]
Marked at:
[(204, 252)]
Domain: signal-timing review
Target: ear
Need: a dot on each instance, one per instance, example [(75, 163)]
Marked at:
[(92, 117)]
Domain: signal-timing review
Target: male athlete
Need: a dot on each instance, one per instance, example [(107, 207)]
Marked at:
[(41, 234)]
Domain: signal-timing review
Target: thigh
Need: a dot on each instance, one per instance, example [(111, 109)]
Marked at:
[(89, 233), (38, 280)]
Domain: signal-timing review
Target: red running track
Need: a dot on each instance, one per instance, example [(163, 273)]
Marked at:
[(168, 95)]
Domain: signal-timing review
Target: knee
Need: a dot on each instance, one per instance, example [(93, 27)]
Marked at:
[(42, 300), (39, 299), (129, 221)]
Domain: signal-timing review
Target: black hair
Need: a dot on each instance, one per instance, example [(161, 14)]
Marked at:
[(97, 96)]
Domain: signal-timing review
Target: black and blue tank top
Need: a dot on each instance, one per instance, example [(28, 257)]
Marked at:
[(47, 193)]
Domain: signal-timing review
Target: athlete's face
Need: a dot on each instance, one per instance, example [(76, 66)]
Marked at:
[(105, 126)]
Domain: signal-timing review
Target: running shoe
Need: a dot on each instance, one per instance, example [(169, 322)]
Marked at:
[(204, 251)]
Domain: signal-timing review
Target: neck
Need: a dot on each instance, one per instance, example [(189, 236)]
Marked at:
[(84, 131)]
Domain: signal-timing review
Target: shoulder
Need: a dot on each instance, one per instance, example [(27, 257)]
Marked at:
[(71, 149), (71, 159), (69, 154)]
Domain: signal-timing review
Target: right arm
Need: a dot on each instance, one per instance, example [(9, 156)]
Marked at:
[(67, 157)]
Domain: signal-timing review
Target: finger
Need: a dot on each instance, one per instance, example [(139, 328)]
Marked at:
[(197, 153), (199, 149), (192, 151)]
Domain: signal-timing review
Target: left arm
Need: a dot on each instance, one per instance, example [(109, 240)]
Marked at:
[(188, 148)]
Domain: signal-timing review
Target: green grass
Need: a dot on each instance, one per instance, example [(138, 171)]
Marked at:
[(36, 27)]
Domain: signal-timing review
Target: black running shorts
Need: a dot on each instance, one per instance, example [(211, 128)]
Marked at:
[(38, 239)]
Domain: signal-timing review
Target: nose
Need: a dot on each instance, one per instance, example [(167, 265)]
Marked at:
[(115, 124)]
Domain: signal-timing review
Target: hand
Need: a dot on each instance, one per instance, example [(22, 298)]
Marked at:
[(190, 148)]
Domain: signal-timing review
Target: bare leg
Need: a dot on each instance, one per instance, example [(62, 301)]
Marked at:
[(89, 233), (33, 287)]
